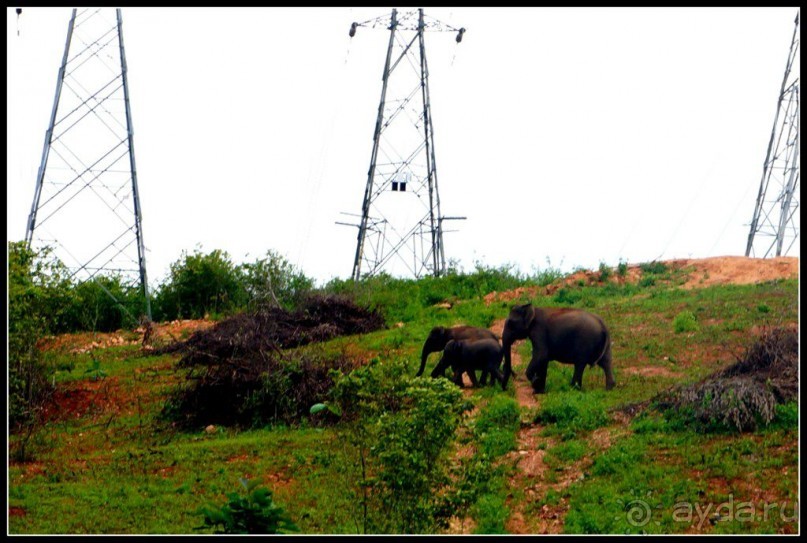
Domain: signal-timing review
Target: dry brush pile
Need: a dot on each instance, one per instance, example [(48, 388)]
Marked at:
[(746, 393), (243, 371)]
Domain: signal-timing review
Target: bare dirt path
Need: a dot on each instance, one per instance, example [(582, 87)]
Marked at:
[(532, 478), (528, 459)]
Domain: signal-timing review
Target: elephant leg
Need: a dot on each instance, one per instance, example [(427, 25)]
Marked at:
[(484, 378), (440, 369), (577, 378), (536, 373), (458, 378), (472, 375), (495, 375)]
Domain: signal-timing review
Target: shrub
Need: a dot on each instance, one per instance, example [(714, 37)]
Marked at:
[(655, 267), (273, 279), (253, 513), (199, 284), (37, 287), (397, 430), (605, 272), (685, 322), (104, 304)]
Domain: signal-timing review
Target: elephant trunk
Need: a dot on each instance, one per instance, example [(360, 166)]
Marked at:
[(605, 363), (423, 356), (508, 338)]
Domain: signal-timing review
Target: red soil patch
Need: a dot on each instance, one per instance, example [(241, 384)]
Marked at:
[(81, 398), (738, 270), (703, 272), (16, 511)]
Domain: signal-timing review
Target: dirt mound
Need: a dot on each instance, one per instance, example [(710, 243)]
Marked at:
[(746, 392), (159, 334), (701, 272), (737, 270)]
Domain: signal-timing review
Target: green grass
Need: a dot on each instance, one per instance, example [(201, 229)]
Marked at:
[(119, 469)]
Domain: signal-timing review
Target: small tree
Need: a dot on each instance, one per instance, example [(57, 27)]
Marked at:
[(104, 304), (200, 284), (397, 431), (38, 291), (275, 280)]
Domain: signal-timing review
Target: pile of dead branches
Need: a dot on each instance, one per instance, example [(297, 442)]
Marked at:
[(746, 393), (244, 371)]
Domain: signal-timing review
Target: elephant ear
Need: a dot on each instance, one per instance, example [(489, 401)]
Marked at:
[(525, 313)]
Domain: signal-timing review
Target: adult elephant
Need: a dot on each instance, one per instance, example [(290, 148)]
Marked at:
[(570, 336), (440, 336), (469, 356)]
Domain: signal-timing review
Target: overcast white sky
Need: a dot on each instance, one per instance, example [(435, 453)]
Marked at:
[(567, 136)]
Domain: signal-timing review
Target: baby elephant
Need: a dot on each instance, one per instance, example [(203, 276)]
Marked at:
[(468, 356)]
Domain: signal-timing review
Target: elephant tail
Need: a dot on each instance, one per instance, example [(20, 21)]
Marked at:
[(606, 345)]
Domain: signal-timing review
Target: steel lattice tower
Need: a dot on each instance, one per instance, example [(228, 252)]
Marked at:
[(86, 204), (775, 213), (400, 216)]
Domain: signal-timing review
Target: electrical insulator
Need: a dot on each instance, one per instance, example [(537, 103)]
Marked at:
[(352, 29), (459, 34)]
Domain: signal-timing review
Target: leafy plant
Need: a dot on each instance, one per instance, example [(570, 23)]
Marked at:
[(273, 279), (685, 321), (653, 267), (396, 430), (251, 512), (104, 304), (95, 370), (199, 284), (605, 272), (38, 289)]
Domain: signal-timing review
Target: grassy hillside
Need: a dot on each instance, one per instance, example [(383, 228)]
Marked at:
[(106, 462)]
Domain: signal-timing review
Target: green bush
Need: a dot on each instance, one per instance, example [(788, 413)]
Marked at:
[(685, 321), (655, 268), (104, 304), (37, 287), (274, 279), (200, 284), (605, 272), (252, 513), (398, 430)]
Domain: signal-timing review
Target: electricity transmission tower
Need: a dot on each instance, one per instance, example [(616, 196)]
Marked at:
[(400, 222), (775, 213), (86, 204)]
